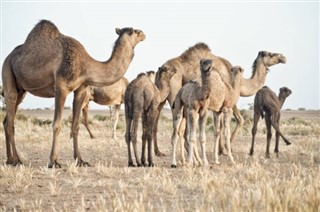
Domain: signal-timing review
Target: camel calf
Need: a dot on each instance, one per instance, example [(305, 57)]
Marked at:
[(267, 104)]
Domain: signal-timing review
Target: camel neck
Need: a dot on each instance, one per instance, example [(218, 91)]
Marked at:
[(206, 86), (111, 71), (281, 101), (251, 86), (164, 89)]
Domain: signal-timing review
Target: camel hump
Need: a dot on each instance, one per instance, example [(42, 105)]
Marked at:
[(44, 28), (195, 50)]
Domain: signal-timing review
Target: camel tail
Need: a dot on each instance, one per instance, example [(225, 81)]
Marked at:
[(261, 111), (129, 110)]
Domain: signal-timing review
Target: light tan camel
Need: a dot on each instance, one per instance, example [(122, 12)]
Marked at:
[(223, 99), (268, 105), (223, 96), (193, 98), (186, 68), (142, 99), (50, 64), (105, 95)]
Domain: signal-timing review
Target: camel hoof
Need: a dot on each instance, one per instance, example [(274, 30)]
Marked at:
[(217, 162), (84, 164), (223, 153), (288, 143), (131, 165), (14, 162), (251, 153), (159, 154), (151, 165), (267, 155), (54, 164), (173, 166)]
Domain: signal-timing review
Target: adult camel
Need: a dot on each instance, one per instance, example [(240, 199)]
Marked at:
[(50, 64)]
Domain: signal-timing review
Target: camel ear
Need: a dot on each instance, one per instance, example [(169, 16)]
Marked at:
[(263, 53), (130, 31), (118, 31)]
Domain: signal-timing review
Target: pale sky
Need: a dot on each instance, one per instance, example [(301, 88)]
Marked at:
[(236, 31)]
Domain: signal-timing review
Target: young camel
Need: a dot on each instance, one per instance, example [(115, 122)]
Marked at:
[(51, 64), (222, 99), (142, 99), (106, 95), (193, 98), (268, 105)]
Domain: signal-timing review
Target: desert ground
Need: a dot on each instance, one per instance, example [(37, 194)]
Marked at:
[(290, 182)]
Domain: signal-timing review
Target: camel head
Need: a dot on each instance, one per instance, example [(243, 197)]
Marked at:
[(152, 75), (132, 35), (165, 74), (236, 72), (270, 59), (284, 92), (205, 65), (237, 69)]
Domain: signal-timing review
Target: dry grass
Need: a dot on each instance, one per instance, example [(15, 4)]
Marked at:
[(288, 183)]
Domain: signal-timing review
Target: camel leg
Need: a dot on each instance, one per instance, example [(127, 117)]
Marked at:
[(85, 121), (155, 130), (275, 124), (127, 136), (192, 121), (134, 133), (12, 100), (144, 139), (256, 117), (184, 131), (276, 149), (227, 120), (152, 114), (217, 127), (183, 138), (116, 119), (202, 136), (79, 97), (177, 121), (60, 98), (222, 142), (240, 122), (269, 134)]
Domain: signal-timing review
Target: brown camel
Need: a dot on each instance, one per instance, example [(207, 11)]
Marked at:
[(268, 105), (186, 68), (50, 64), (142, 99), (193, 98), (106, 95)]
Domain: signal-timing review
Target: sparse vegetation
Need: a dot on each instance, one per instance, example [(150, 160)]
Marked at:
[(288, 183)]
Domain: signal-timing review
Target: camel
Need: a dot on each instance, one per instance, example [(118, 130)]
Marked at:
[(268, 105), (51, 64), (106, 95), (194, 98), (186, 70), (142, 99)]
